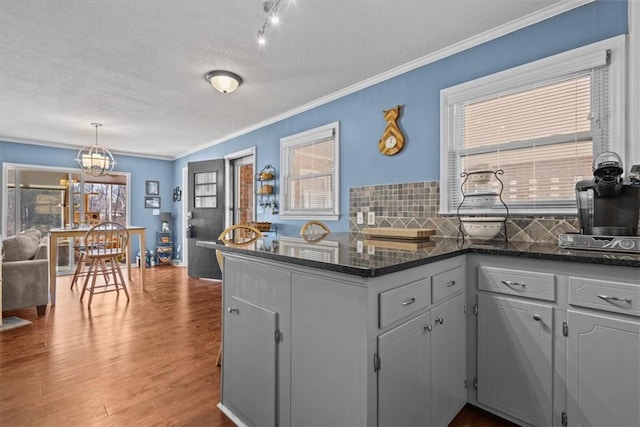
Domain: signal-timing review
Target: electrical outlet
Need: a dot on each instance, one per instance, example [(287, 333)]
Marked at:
[(371, 218), (360, 218)]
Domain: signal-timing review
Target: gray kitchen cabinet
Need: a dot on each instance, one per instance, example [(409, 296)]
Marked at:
[(422, 368), (252, 327), (331, 327), (404, 377), (256, 352), (448, 360), (603, 370), (515, 368)]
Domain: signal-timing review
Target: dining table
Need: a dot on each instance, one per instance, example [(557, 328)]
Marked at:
[(70, 232)]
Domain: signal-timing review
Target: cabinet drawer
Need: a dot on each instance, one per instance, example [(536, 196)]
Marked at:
[(445, 284), (604, 295), (524, 283), (403, 301)]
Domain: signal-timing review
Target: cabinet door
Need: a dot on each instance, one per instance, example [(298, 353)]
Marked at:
[(404, 378), (603, 371), (515, 358), (448, 360), (250, 382)]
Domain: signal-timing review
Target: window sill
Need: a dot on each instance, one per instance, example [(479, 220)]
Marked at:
[(311, 216)]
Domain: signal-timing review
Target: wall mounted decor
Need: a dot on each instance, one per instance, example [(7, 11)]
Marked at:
[(177, 194), (152, 188), (152, 202), (392, 139)]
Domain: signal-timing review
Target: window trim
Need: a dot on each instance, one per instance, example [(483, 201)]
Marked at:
[(302, 138), (547, 68)]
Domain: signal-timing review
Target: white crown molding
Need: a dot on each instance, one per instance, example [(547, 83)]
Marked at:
[(494, 33), (77, 148)]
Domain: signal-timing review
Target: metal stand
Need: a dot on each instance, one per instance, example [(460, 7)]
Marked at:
[(495, 175)]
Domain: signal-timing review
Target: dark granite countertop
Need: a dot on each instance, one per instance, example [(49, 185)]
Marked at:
[(342, 253)]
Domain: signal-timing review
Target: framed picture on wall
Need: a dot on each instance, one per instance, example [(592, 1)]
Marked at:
[(152, 202), (152, 188)]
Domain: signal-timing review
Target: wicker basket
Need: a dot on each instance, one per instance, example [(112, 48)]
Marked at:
[(265, 190), (261, 226)]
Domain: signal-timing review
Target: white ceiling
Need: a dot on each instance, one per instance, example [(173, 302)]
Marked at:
[(137, 66)]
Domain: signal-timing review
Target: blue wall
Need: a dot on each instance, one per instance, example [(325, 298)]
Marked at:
[(361, 120), (141, 169), (360, 113)]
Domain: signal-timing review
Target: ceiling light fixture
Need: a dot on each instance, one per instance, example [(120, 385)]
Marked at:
[(95, 160), (223, 81), (271, 9)]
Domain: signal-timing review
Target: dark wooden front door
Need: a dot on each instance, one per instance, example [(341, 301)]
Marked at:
[(206, 204)]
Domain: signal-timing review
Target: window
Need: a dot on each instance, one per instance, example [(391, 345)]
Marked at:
[(309, 179), (542, 123)]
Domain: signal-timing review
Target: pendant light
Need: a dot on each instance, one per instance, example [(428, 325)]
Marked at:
[(95, 160)]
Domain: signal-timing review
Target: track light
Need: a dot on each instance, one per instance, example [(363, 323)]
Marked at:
[(271, 9), (261, 39)]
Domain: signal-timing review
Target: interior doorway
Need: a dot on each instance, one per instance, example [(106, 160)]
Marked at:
[(241, 200)]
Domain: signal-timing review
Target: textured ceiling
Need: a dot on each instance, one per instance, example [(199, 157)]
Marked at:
[(137, 66)]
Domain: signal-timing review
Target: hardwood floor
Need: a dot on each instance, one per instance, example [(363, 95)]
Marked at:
[(149, 361)]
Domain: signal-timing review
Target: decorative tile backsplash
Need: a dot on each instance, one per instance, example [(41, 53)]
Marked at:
[(415, 205)]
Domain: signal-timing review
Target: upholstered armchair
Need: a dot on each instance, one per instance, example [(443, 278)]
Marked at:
[(25, 273)]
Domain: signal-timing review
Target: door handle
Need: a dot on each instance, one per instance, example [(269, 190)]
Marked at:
[(537, 318), (232, 310), (439, 320), (451, 283), (409, 301)]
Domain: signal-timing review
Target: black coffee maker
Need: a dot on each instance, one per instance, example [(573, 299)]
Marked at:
[(608, 205)]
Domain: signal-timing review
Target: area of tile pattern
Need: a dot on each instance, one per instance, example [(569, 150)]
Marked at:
[(416, 204)]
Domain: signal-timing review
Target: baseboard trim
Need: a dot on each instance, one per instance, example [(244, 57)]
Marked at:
[(231, 415)]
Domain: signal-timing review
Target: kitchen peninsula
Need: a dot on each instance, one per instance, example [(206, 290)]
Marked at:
[(342, 333)]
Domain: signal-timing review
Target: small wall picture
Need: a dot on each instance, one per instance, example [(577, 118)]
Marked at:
[(152, 187), (152, 202)]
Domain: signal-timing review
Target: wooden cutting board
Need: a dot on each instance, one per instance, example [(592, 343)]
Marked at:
[(399, 244), (399, 233)]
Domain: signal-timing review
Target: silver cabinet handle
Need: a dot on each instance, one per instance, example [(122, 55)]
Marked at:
[(451, 283), (608, 298), (510, 283), (409, 301), (439, 320), (428, 328), (232, 310), (537, 318)]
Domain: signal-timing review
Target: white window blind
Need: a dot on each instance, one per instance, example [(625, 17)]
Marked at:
[(309, 177), (543, 132)]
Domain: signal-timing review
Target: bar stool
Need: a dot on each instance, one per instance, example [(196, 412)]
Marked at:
[(314, 231)]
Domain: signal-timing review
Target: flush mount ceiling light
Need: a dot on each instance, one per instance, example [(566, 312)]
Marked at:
[(95, 160), (223, 81), (271, 9)]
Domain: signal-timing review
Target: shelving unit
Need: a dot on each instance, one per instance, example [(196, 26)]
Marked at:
[(479, 193), (164, 247), (266, 191)]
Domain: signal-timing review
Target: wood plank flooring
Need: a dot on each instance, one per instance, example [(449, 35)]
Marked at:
[(149, 361)]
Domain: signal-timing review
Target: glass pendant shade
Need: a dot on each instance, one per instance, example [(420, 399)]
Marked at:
[(95, 160)]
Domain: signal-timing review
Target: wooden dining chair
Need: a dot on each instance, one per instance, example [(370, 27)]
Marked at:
[(314, 231), (105, 244), (82, 266), (238, 236)]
